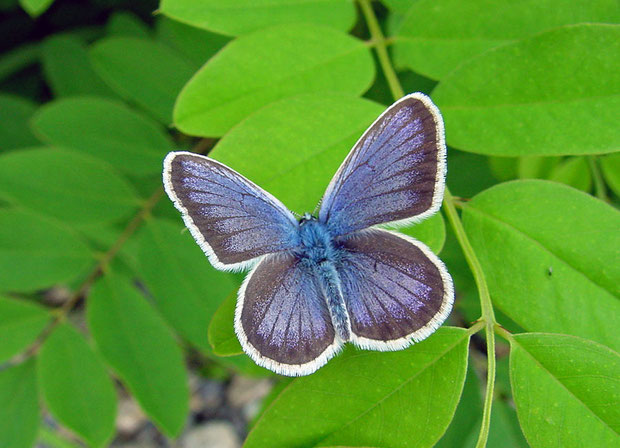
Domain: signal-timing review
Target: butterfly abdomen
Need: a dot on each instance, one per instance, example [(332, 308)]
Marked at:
[(320, 254)]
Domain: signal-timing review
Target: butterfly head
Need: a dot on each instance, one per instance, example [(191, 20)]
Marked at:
[(317, 243)]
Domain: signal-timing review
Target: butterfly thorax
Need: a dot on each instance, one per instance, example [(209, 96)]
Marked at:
[(316, 242)]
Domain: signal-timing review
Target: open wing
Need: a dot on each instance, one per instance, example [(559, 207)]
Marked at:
[(396, 290), (282, 319), (233, 220), (394, 174)]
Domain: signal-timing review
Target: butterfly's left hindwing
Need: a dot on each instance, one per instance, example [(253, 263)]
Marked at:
[(282, 319), (233, 220)]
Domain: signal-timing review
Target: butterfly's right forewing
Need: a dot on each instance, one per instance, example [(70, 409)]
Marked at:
[(233, 220)]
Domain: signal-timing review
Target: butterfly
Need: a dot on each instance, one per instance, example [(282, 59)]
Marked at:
[(320, 281)]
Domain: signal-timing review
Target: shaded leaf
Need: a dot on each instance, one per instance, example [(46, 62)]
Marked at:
[(363, 398), (15, 60), (35, 8), (574, 172), (185, 287), (140, 347), (142, 71), (277, 62), (566, 390), (436, 36), (65, 184), (108, 130), (36, 252), (537, 96), (19, 413), (222, 335), (68, 70), (236, 17), (561, 274), (195, 44), (15, 112), (21, 322), (126, 24), (610, 166), (76, 386)]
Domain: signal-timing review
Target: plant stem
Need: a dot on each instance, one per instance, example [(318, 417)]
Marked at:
[(599, 183), (488, 315), (380, 46)]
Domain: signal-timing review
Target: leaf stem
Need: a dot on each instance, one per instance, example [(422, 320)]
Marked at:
[(599, 184), (488, 315)]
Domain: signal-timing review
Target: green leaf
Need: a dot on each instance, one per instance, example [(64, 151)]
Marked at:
[(610, 166), (277, 62), (68, 70), (36, 253), (222, 335), (13, 61), (67, 185), (555, 93), (467, 415), (15, 112), (535, 167), (141, 348), (126, 24), (293, 147), (185, 287), (364, 398), (19, 413), (21, 322), (574, 172), (142, 71), (76, 386), (566, 390), (108, 130), (235, 17), (431, 231), (560, 274), (35, 8), (195, 44), (436, 36)]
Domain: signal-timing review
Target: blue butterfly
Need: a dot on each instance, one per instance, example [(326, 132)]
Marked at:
[(321, 281)]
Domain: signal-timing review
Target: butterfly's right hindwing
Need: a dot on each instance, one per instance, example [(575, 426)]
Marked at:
[(233, 220)]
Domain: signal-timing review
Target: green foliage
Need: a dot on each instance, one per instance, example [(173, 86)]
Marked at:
[(19, 413), (566, 390), (151, 367), (67, 366), (558, 277), (283, 89), (560, 83), (236, 17), (346, 402), (20, 324), (276, 63)]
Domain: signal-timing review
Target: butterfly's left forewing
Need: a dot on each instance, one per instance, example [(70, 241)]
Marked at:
[(232, 219), (395, 289)]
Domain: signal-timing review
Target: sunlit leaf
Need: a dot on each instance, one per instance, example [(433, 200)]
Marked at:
[(566, 390), (549, 254), (277, 62), (19, 413), (364, 398), (555, 93), (236, 17)]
